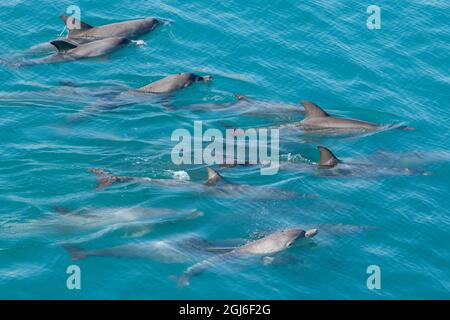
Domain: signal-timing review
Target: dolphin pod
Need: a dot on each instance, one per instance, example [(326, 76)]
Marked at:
[(87, 41)]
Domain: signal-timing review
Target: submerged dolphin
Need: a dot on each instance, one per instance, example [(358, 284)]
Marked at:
[(215, 185), (172, 250), (69, 51), (268, 245), (317, 119), (127, 29), (249, 107), (164, 86), (68, 222)]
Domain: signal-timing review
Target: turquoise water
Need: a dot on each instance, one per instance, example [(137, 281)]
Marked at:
[(277, 52)]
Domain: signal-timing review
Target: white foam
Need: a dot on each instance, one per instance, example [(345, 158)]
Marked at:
[(139, 43), (179, 175)]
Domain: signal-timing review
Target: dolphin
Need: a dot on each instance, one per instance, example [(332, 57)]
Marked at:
[(89, 50), (86, 33), (184, 249), (249, 107), (266, 246), (127, 29), (158, 90), (174, 83), (220, 187), (136, 219), (330, 165), (318, 120), (215, 185), (70, 51), (105, 179)]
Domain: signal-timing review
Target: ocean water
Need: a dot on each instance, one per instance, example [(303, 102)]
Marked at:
[(275, 52)]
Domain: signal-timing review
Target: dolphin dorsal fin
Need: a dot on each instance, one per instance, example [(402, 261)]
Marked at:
[(213, 177), (327, 158), (313, 110), (63, 45), (74, 25)]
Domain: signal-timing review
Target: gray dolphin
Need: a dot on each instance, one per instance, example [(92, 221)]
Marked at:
[(318, 120), (173, 83), (215, 185), (127, 29), (187, 248), (87, 33), (89, 50), (268, 245), (70, 51), (330, 165), (220, 187), (250, 107), (164, 86), (135, 219)]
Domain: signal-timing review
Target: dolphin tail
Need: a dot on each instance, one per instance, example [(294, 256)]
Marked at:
[(104, 178), (406, 128), (83, 114), (75, 252)]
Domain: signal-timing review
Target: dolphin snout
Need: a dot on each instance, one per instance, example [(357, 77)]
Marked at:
[(207, 78), (311, 233), (158, 21)]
